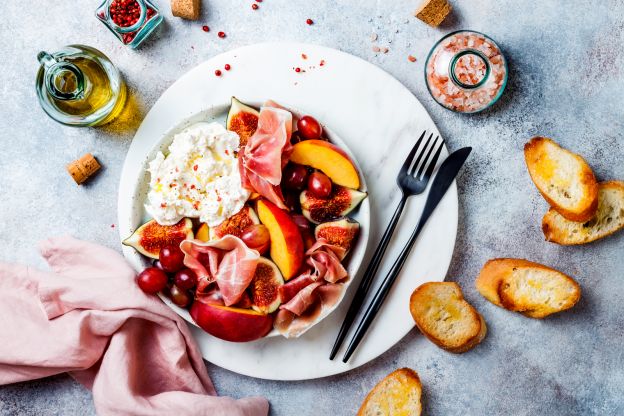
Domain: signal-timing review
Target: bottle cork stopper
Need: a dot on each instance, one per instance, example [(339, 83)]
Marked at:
[(81, 169), (186, 9), (433, 12)]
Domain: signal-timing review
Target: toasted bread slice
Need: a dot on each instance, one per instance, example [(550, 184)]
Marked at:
[(530, 288), (563, 178), (609, 219), (398, 394), (443, 316)]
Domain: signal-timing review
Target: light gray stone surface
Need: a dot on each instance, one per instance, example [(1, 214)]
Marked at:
[(566, 62)]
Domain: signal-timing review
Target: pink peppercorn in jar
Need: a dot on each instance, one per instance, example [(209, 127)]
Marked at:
[(466, 72), (130, 20)]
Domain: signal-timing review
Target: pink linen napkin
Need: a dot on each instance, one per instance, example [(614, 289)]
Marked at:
[(90, 318)]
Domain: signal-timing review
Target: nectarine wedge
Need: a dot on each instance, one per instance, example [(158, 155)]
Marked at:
[(231, 324), (286, 242), (329, 159), (203, 233)]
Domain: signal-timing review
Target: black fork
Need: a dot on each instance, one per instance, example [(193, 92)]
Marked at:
[(412, 180)]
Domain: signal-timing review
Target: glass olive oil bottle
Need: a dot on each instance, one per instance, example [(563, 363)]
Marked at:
[(79, 86)]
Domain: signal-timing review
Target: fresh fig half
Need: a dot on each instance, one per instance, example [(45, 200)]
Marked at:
[(150, 237), (236, 224), (242, 120), (265, 286), (341, 202), (342, 232)]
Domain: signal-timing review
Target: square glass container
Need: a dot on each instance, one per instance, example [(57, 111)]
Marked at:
[(131, 21)]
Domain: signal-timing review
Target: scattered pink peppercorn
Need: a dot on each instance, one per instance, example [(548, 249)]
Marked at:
[(309, 21), (227, 67), (221, 34), (205, 28), (218, 72), (297, 69), (254, 6)]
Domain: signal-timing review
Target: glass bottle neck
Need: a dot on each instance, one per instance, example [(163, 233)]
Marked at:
[(63, 80), (469, 69)]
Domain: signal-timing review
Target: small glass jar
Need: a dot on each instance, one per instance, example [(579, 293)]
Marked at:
[(130, 20), (466, 72), (79, 86)]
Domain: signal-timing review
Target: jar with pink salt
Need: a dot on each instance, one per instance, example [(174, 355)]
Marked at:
[(466, 72)]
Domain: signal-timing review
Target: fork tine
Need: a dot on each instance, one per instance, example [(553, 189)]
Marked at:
[(420, 155), (432, 162), (408, 159), (419, 167)]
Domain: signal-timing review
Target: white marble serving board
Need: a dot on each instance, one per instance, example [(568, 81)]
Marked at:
[(379, 119)]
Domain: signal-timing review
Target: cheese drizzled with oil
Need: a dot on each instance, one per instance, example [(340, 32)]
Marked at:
[(198, 178)]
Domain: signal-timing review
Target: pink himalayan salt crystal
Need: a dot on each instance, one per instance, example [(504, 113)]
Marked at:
[(457, 72)]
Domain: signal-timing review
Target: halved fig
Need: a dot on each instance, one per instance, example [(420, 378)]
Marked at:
[(150, 237), (341, 232), (242, 119), (341, 202), (265, 287), (236, 224)]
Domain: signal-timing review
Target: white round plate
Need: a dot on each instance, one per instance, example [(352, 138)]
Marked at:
[(379, 120)]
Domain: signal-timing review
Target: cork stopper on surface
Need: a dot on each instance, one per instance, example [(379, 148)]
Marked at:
[(81, 169), (186, 9), (433, 12)]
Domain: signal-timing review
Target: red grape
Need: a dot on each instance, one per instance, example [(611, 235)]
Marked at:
[(152, 280), (171, 258), (185, 279), (257, 237), (302, 222), (179, 296), (291, 200), (319, 185), (309, 128), (295, 176), (295, 137), (305, 228)]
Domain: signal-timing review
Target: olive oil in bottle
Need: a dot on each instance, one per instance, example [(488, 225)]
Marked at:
[(79, 86)]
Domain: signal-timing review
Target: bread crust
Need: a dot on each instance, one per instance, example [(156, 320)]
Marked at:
[(495, 273), (586, 178), (413, 382), (556, 234), (477, 321)]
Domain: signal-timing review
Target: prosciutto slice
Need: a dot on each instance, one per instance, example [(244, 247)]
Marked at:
[(324, 299), (226, 261), (261, 161), (324, 258), (314, 294)]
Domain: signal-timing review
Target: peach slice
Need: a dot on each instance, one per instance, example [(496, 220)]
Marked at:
[(231, 324), (203, 233), (286, 242), (328, 158)]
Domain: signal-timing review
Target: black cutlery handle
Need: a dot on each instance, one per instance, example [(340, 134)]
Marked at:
[(382, 293), (367, 278)]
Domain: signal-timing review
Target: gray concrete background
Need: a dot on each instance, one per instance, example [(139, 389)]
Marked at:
[(566, 62)]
